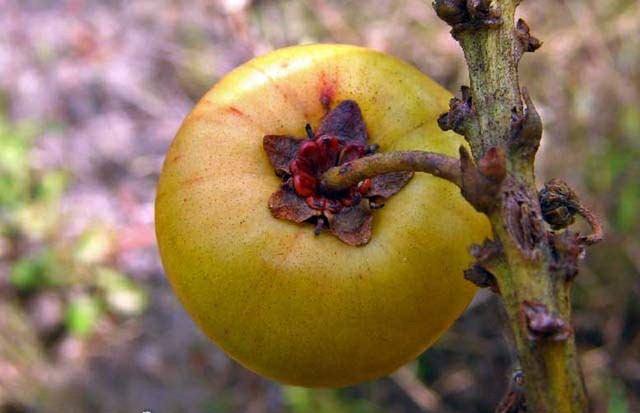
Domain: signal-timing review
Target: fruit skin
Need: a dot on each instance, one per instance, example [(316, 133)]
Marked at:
[(294, 307)]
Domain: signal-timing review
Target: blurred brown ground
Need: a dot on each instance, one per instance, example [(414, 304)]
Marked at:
[(91, 93)]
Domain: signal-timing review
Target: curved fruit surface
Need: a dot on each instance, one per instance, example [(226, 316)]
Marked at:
[(295, 307)]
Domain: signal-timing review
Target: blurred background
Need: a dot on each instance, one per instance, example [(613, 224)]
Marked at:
[(91, 94)]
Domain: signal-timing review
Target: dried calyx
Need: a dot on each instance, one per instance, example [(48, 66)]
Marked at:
[(340, 138)]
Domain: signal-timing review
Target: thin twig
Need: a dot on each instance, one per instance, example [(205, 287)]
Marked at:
[(350, 173), (596, 227)]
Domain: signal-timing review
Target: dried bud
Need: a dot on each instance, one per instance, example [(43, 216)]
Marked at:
[(481, 277), (451, 11), (465, 15), (527, 43), (461, 114), (480, 188), (559, 204), (486, 252), (567, 250), (479, 8), (526, 130)]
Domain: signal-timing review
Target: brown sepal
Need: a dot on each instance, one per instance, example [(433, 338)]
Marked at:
[(387, 185), (286, 204), (352, 225), (346, 122), (281, 150), (541, 324)]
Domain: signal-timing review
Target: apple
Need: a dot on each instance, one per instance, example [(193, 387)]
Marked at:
[(297, 307)]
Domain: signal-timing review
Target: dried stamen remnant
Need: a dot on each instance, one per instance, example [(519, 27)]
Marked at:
[(300, 162), (318, 155)]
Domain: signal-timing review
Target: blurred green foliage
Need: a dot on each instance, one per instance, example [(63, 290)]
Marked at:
[(30, 273), (82, 314), (618, 399), (303, 400), (41, 255)]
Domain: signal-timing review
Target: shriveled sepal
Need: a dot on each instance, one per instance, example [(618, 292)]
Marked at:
[(281, 149), (352, 225), (387, 185), (345, 121), (286, 204)]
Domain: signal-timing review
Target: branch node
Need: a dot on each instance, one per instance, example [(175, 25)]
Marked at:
[(451, 11), (541, 324), (526, 130), (468, 15), (479, 272), (481, 184), (567, 250), (462, 116), (493, 164)]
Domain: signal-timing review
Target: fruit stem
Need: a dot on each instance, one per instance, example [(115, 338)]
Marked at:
[(350, 173)]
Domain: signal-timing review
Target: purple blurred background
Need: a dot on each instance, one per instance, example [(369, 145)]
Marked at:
[(91, 94)]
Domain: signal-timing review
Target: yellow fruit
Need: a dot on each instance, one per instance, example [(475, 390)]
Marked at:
[(298, 308)]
